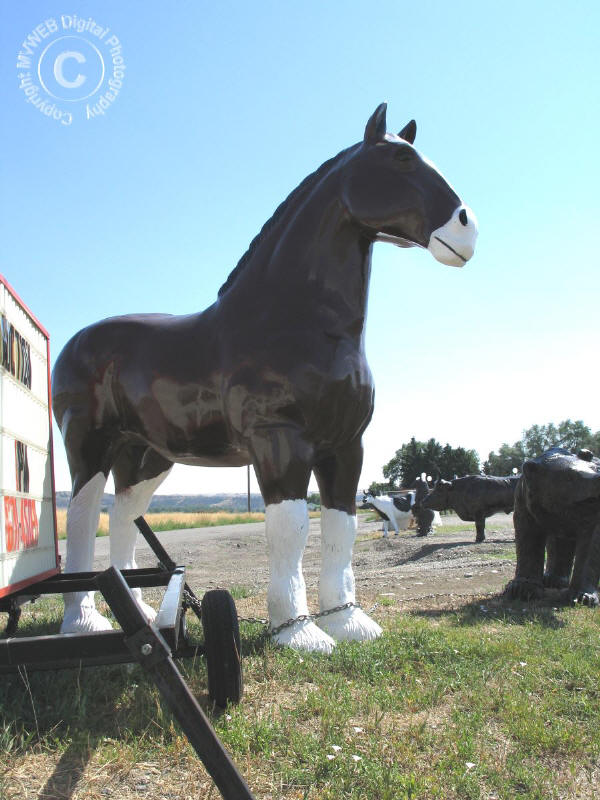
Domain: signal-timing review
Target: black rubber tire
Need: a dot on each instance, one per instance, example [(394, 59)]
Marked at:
[(222, 647)]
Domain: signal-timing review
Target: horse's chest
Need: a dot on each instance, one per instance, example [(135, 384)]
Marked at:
[(329, 399)]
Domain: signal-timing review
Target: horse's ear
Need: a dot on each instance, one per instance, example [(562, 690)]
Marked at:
[(409, 132), (376, 126)]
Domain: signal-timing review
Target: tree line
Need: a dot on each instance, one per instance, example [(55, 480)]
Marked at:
[(447, 462)]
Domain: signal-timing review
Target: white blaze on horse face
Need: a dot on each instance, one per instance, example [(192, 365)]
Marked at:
[(336, 587), (454, 242), (286, 526), (83, 515), (130, 504)]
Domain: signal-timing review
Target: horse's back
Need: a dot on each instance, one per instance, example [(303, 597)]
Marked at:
[(116, 349)]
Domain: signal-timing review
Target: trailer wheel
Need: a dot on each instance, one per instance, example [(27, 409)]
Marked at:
[(222, 647)]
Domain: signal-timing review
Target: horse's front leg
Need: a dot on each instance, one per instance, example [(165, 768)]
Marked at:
[(282, 461), (338, 478)]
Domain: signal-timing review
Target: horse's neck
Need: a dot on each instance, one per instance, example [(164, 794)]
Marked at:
[(317, 257)]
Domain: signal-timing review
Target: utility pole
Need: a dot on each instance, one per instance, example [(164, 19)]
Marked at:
[(248, 468)]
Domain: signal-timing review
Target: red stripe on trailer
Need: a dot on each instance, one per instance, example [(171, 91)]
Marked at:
[(15, 587), (25, 308)]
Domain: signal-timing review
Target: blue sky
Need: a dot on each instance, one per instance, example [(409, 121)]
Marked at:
[(224, 109)]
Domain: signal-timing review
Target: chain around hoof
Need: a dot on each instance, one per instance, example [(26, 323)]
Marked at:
[(349, 623), (301, 633)]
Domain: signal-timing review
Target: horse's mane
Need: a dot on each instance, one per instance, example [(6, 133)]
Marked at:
[(296, 194)]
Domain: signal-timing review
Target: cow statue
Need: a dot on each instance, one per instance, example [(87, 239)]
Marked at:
[(397, 510), (557, 509), (474, 498)]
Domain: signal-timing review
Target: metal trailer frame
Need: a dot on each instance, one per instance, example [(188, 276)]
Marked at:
[(153, 645)]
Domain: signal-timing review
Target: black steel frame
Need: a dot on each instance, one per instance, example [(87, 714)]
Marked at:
[(153, 645)]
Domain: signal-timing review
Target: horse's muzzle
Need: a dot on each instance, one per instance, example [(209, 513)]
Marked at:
[(454, 242)]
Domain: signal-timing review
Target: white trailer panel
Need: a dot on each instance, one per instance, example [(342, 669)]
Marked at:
[(28, 537)]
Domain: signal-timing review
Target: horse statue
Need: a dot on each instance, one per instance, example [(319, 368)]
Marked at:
[(273, 374)]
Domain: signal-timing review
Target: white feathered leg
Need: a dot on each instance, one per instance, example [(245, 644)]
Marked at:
[(130, 504), (286, 526), (83, 515), (336, 588)]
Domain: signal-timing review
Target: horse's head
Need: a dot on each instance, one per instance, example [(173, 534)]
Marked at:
[(399, 196)]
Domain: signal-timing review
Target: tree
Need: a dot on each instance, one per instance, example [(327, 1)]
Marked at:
[(509, 457), (430, 457), (379, 488), (535, 440)]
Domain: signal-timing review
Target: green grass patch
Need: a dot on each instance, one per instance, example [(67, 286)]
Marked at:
[(239, 592), (459, 527), (490, 700), (502, 555)]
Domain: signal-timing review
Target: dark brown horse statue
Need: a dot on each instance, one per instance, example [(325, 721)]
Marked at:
[(273, 374)]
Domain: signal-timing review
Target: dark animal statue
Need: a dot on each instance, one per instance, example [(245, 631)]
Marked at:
[(424, 517), (474, 498), (557, 508), (273, 374)]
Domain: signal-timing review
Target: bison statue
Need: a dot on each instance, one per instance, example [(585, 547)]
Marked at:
[(557, 510), (473, 498)]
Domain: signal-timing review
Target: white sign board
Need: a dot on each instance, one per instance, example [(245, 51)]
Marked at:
[(28, 541)]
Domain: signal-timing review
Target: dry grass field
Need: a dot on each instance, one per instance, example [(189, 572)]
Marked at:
[(171, 520)]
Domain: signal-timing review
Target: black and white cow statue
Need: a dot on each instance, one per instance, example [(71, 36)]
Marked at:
[(397, 510), (401, 511), (474, 498)]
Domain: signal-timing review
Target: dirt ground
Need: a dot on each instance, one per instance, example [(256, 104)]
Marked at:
[(429, 571)]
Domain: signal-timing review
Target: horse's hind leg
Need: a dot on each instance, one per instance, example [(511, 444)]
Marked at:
[(138, 472), (338, 478), (282, 461), (88, 474)]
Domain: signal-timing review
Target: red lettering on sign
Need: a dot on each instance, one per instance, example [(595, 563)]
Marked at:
[(21, 526), (11, 524)]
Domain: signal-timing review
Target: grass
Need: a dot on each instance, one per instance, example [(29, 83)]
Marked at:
[(173, 520), (478, 702), (460, 527)]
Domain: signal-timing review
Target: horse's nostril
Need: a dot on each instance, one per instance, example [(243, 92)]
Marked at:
[(462, 215)]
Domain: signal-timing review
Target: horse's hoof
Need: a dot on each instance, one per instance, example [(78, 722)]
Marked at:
[(146, 610), (350, 625), (523, 589), (479, 539), (85, 620), (304, 635)]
